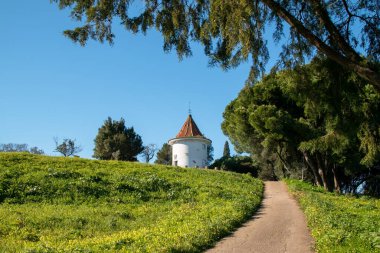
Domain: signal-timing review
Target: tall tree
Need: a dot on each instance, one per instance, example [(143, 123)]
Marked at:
[(226, 150), (68, 147), (115, 141), (149, 152), (319, 115), (164, 155), (233, 31)]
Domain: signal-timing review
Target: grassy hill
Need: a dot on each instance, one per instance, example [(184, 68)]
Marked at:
[(339, 223), (51, 204)]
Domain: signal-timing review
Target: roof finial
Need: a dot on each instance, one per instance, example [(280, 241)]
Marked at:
[(189, 107)]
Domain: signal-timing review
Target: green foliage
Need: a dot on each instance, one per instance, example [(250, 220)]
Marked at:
[(339, 223), (114, 141), (239, 164), (226, 150), (319, 118), (57, 204), (164, 155), (234, 31), (210, 154)]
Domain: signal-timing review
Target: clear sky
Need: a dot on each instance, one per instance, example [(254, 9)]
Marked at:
[(51, 87)]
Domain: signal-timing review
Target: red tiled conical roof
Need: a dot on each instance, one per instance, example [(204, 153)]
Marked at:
[(189, 129)]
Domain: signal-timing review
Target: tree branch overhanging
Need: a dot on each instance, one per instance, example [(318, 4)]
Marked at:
[(356, 64)]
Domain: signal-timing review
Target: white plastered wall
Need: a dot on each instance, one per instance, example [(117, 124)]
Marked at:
[(189, 152)]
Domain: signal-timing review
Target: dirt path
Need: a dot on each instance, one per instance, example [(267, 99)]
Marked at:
[(279, 226)]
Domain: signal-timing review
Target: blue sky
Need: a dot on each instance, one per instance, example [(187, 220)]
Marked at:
[(51, 87)]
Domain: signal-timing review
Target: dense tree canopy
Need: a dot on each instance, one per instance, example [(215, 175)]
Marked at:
[(233, 31), (238, 164), (115, 141), (320, 117)]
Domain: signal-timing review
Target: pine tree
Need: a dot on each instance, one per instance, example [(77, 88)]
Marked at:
[(117, 142), (314, 119), (226, 150)]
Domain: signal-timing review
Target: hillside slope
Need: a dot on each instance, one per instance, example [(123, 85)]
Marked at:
[(339, 223), (50, 204)]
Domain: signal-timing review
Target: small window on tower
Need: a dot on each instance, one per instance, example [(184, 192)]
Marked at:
[(204, 146)]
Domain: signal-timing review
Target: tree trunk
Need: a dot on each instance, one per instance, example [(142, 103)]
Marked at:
[(313, 167), (336, 179), (323, 177), (358, 66), (274, 177), (322, 172), (284, 163), (284, 172)]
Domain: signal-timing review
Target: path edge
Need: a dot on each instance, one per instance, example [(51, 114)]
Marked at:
[(294, 196)]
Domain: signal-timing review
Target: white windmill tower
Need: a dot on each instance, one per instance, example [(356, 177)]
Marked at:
[(189, 147)]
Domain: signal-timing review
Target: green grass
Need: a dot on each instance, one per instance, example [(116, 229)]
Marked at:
[(339, 223), (51, 204)]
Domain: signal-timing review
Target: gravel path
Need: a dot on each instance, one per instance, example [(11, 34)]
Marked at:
[(278, 226)]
